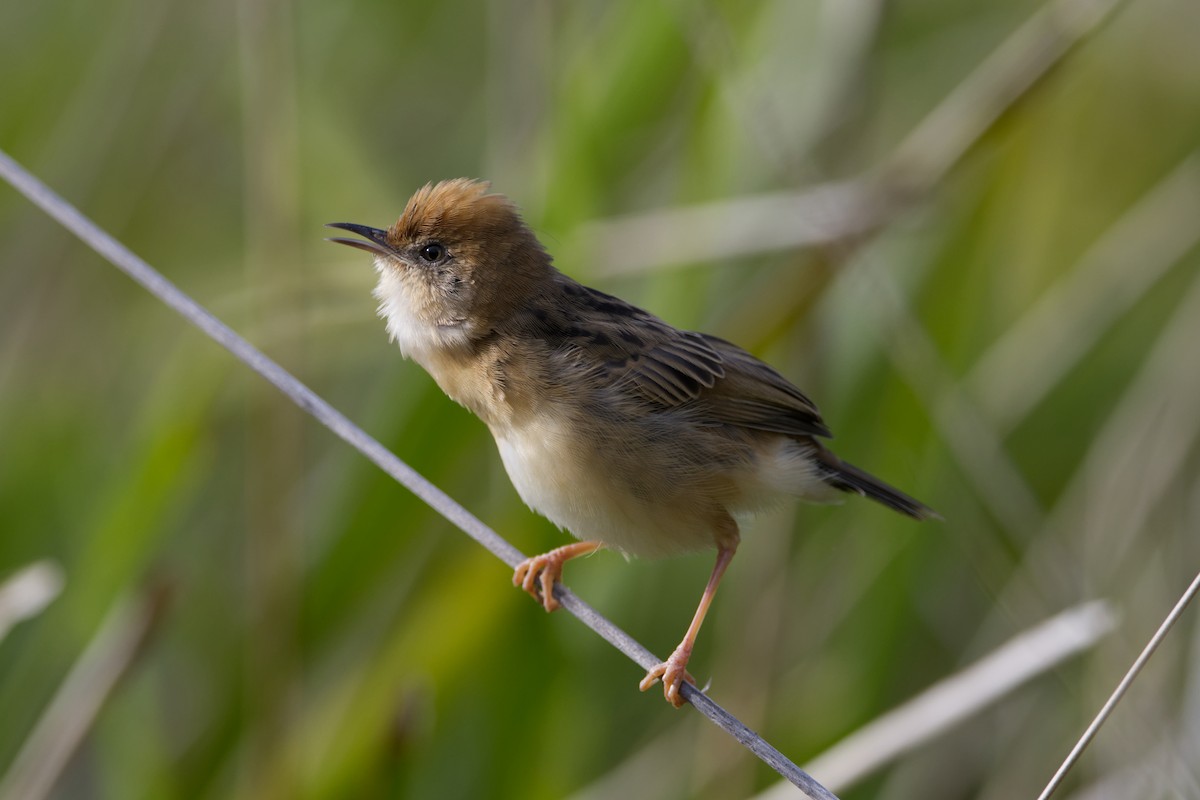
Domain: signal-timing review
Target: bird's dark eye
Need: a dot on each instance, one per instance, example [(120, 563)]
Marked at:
[(433, 252)]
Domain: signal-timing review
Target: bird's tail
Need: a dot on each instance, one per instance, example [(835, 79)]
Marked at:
[(849, 478)]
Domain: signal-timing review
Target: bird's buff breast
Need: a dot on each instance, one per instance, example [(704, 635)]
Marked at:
[(554, 471)]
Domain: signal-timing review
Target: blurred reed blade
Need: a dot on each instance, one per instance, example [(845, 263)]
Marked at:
[(1017, 371), (738, 226), (25, 593), (958, 697), (976, 445), (946, 134), (66, 721), (833, 212), (1141, 450)]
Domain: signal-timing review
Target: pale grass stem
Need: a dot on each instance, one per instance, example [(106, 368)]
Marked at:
[(1090, 733)]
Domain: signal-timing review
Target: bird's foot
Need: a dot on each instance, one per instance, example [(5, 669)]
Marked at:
[(672, 672), (537, 575)]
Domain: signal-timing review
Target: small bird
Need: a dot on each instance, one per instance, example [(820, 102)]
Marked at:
[(630, 433)]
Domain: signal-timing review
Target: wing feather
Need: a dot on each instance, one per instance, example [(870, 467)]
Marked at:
[(718, 381)]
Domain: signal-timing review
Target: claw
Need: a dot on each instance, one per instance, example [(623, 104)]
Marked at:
[(672, 672), (537, 575), (545, 567)]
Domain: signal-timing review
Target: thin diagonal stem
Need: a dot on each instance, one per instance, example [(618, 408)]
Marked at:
[(1122, 687), (153, 281)]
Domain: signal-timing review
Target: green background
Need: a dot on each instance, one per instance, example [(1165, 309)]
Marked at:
[(1018, 345)]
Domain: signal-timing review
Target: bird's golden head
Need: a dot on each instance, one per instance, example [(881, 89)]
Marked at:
[(455, 263)]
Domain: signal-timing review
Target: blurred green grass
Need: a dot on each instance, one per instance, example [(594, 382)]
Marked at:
[(328, 635)]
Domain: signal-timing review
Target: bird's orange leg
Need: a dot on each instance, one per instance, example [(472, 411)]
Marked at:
[(673, 671), (549, 567)]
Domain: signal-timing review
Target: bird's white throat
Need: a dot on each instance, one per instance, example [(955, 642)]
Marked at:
[(417, 336)]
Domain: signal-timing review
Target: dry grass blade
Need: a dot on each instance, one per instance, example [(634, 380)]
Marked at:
[(949, 131), (735, 227), (1017, 371), (976, 446), (1142, 448), (25, 593), (833, 212), (958, 697), (112, 651)]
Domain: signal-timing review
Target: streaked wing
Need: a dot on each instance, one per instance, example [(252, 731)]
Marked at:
[(754, 395), (723, 383), (674, 370)]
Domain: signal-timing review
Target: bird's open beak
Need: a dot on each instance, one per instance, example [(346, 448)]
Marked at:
[(376, 240)]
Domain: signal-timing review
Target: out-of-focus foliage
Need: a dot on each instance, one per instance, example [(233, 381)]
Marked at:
[(327, 636)]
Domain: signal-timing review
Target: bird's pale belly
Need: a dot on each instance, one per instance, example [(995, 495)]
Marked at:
[(554, 470)]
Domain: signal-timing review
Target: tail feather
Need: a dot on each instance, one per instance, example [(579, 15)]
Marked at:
[(849, 478)]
